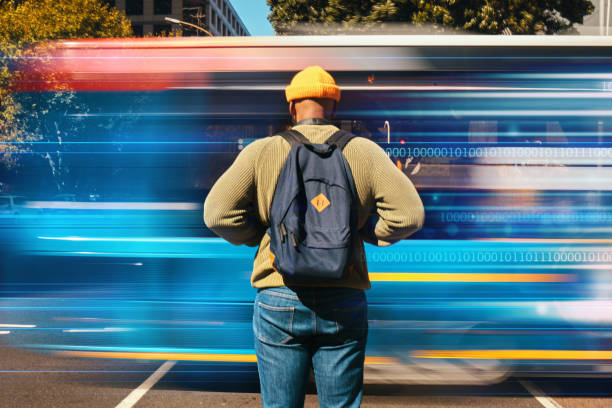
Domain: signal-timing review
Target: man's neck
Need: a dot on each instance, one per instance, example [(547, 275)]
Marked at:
[(314, 121), (309, 115)]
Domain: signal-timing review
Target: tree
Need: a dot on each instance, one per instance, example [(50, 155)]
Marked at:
[(480, 16), (25, 26)]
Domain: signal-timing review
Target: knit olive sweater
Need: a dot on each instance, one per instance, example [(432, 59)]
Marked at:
[(238, 206)]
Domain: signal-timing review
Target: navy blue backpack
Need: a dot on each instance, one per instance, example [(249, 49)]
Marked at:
[(313, 217)]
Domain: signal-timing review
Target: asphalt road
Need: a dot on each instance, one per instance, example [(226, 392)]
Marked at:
[(40, 380)]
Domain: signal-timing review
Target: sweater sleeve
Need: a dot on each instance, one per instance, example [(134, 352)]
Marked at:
[(230, 210), (398, 209)]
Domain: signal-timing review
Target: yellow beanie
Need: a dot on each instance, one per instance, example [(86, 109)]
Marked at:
[(312, 82)]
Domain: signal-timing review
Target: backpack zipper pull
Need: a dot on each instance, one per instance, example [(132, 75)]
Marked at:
[(293, 241), (283, 232)]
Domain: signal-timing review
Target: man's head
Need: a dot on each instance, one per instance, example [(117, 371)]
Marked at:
[(312, 93)]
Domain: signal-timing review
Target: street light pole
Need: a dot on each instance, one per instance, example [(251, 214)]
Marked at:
[(608, 19), (602, 9), (175, 21)]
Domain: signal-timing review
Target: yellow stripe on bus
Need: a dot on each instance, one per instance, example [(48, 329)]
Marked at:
[(470, 277), (228, 358), (516, 354), (233, 358), (370, 360)]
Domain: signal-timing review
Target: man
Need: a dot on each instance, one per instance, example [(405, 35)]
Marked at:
[(297, 327)]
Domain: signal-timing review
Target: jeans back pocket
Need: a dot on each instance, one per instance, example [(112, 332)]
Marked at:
[(273, 324)]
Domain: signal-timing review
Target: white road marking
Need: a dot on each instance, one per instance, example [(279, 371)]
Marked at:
[(142, 389), (4, 332), (17, 326), (539, 395)]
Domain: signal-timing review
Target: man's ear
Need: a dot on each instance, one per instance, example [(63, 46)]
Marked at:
[(292, 110), (333, 112)]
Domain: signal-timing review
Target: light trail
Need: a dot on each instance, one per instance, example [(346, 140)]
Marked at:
[(549, 240), (108, 205), (228, 358), (515, 354), (105, 330), (490, 113), (471, 277), (177, 240)]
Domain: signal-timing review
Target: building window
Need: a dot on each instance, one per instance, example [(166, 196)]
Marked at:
[(133, 7), (213, 19), (160, 29), (162, 7), (137, 30)]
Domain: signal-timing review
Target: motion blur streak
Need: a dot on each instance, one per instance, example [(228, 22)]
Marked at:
[(113, 206), (229, 358), (490, 113), (516, 354), (549, 240), (106, 329), (103, 251), (233, 358), (470, 277)]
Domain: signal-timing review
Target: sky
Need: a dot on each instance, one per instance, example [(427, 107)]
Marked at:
[(254, 15)]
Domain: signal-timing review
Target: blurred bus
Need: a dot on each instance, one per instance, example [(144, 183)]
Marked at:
[(506, 138)]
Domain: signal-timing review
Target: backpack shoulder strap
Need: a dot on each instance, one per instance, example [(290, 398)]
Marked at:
[(340, 139), (293, 137)]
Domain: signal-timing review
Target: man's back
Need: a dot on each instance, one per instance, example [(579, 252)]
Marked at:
[(389, 207)]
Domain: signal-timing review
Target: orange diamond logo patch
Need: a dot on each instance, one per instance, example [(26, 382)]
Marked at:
[(320, 202)]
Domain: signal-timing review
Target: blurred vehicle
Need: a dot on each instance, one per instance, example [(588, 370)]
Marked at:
[(506, 138)]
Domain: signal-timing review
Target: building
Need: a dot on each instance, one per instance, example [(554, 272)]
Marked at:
[(148, 16), (597, 23)]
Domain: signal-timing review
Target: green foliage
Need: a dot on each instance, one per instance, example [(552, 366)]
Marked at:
[(25, 26), (480, 16), (32, 21)]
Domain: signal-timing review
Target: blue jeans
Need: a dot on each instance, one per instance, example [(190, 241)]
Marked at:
[(322, 328)]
